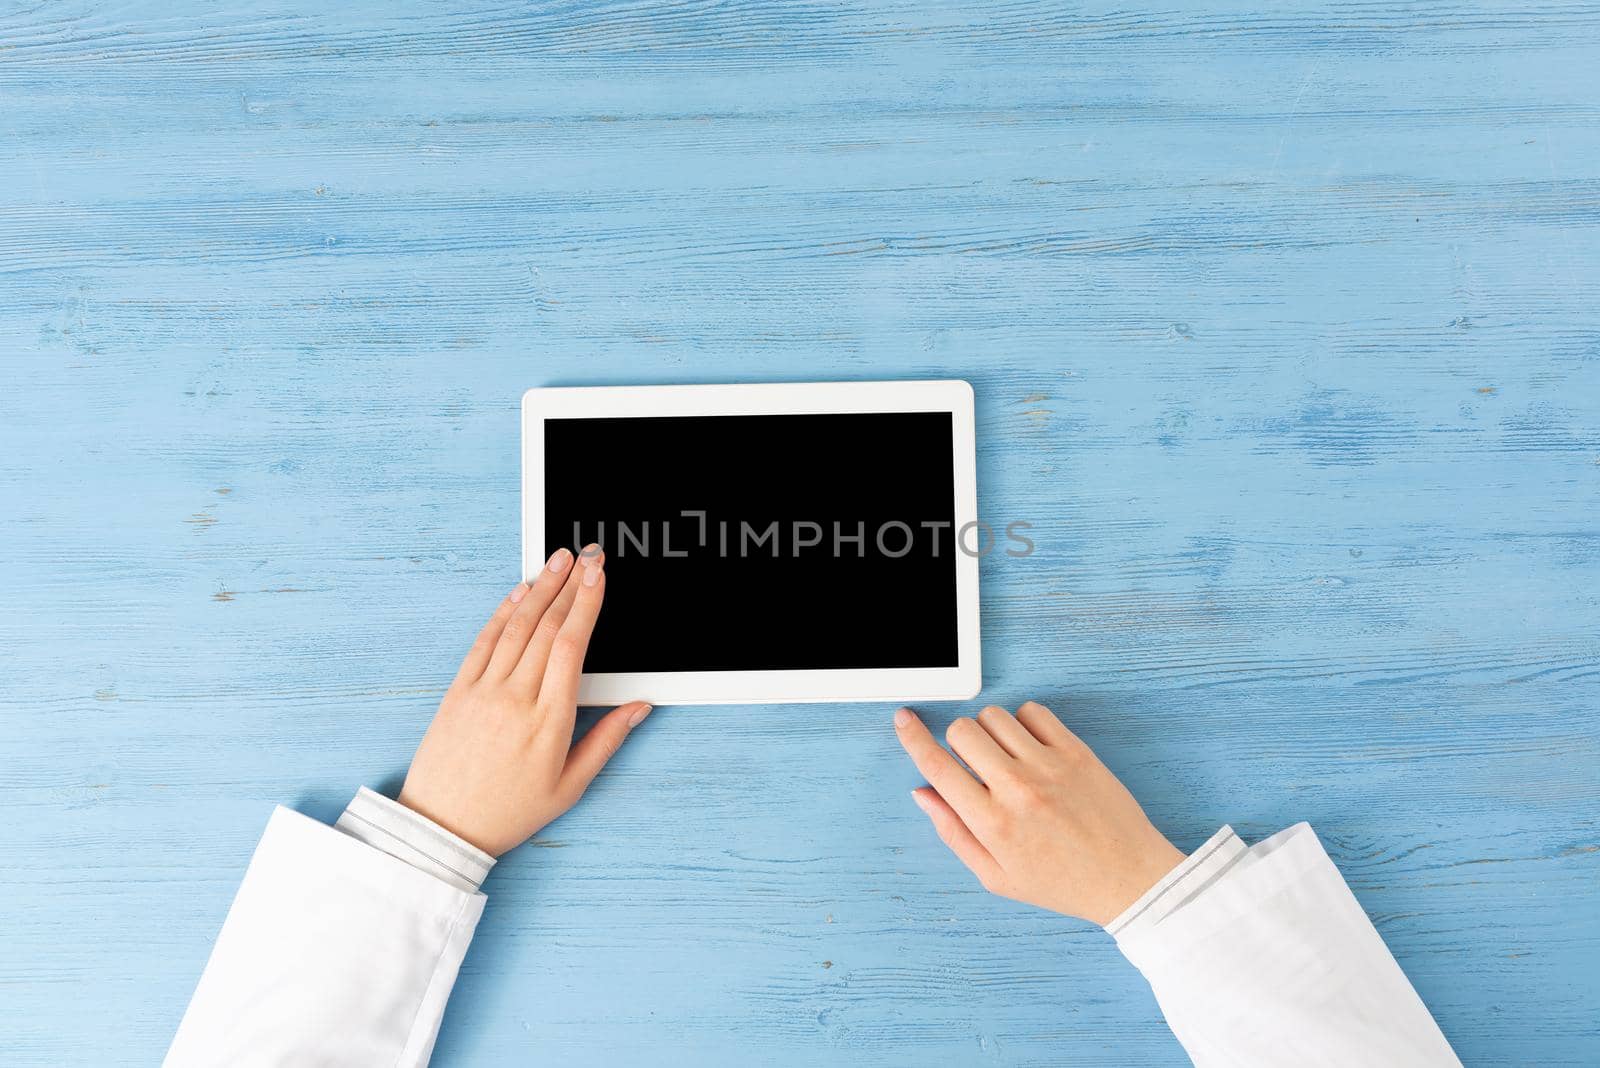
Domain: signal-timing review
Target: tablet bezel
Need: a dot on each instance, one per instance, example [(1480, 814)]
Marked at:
[(961, 682)]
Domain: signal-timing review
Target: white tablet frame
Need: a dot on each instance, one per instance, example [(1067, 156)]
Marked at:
[(961, 682)]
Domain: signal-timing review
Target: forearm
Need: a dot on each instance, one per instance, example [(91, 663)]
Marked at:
[(339, 947), (343, 943), (1262, 956)]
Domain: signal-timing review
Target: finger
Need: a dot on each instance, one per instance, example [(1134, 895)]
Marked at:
[(594, 749), (536, 650), (477, 657), (1012, 736), (1043, 724), (959, 837), (964, 793), (558, 689), (520, 626), (981, 752)]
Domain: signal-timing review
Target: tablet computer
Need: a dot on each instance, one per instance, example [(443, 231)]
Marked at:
[(764, 543)]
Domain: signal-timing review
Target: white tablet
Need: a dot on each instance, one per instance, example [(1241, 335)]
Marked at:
[(800, 542)]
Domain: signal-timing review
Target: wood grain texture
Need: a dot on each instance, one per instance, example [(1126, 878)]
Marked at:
[(1282, 326)]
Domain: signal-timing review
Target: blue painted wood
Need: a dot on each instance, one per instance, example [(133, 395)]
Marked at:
[(1283, 333)]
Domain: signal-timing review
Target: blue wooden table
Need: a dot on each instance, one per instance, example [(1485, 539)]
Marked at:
[(1284, 335)]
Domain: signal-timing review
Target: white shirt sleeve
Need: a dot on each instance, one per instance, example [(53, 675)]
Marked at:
[(342, 945), (1261, 956)]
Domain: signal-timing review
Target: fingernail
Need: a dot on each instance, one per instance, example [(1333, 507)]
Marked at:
[(590, 551), (922, 802), (559, 560), (519, 593), (904, 718), (638, 716), (591, 574)]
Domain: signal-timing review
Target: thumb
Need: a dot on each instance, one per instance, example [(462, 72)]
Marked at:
[(590, 754)]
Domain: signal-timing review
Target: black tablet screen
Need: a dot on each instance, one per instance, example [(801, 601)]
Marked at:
[(762, 542)]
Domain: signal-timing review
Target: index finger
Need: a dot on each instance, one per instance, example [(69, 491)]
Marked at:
[(965, 794), (559, 689)]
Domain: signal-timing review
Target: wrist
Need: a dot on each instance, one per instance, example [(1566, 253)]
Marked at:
[(1159, 863), (433, 814), (1151, 865)]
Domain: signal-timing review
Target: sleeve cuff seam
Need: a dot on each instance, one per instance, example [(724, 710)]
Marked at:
[(457, 845), (353, 814), (1176, 878)]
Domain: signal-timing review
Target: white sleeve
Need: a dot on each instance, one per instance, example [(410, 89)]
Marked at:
[(341, 946), (1262, 956)]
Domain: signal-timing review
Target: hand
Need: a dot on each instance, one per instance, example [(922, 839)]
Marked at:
[(1048, 824), (495, 766)]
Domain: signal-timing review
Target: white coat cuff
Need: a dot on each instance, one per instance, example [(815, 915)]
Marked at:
[(405, 835), (1180, 885)]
